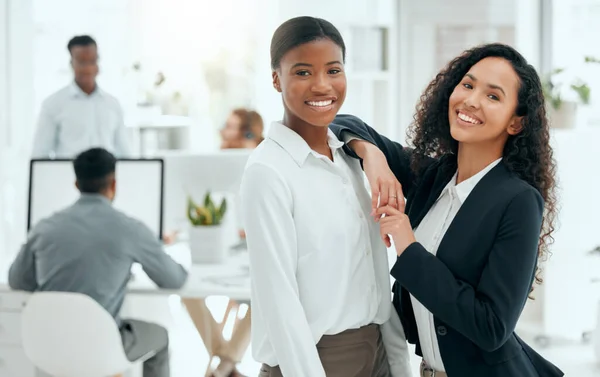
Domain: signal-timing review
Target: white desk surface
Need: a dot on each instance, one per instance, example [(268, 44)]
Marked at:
[(230, 279)]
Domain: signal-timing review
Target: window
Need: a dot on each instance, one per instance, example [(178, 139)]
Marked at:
[(452, 39)]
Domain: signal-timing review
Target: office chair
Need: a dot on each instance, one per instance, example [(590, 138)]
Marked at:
[(71, 335)]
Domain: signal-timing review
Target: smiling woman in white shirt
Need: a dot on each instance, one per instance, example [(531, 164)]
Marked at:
[(479, 185), (319, 271), (81, 115)]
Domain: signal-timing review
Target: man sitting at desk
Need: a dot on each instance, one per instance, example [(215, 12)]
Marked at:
[(90, 247), (81, 115)]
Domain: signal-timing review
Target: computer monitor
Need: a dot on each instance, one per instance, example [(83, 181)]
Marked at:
[(195, 175), (139, 189)]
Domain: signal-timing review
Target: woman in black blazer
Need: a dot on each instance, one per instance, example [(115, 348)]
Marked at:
[(479, 214)]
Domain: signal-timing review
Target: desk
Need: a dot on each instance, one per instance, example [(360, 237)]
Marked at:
[(230, 279)]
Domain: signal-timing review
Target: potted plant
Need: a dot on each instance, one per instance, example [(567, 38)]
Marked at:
[(206, 232), (562, 113)]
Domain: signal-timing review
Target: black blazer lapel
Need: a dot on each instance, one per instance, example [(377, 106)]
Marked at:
[(472, 210), (429, 189), (430, 184)]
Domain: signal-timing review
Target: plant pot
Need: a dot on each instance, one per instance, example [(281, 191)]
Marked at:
[(564, 117), (207, 244)]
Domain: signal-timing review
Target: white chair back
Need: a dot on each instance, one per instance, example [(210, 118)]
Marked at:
[(71, 335)]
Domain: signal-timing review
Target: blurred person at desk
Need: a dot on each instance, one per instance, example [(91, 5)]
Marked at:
[(90, 247), (81, 115), (243, 129)]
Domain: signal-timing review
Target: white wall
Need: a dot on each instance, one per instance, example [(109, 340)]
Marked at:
[(16, 118), (267, 100), (4, 95), (575, 35), (576, 32)]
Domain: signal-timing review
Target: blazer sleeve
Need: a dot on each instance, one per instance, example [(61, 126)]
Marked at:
[(487, 314), (398, 157)]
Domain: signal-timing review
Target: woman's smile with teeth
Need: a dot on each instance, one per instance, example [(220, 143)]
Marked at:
[(320, 103), (468, 119)]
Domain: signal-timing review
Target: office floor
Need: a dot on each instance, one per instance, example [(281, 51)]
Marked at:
[(189, 358)]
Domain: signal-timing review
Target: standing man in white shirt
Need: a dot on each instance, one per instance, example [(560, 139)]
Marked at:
[(319, 270), (80, 116)]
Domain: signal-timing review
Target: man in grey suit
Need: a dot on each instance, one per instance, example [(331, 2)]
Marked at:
[(90, 247)]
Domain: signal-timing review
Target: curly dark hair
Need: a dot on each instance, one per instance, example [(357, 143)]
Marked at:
[(527, 154)]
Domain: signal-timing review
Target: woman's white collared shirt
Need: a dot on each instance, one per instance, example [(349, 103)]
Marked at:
[(318, 265)]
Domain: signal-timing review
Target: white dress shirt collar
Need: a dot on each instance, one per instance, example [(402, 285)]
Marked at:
[(465, 188), (77, 92), (295, 145)]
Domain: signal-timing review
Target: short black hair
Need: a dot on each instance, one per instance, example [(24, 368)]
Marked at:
[(81, 40), (300, 30), (93, 170)]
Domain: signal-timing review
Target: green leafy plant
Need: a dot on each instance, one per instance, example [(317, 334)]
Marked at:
[(552, 89), (207, 214), (591, 59)]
